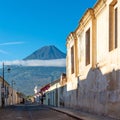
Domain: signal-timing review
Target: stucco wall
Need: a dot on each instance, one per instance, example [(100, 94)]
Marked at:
[(95, 89), (102, 33)]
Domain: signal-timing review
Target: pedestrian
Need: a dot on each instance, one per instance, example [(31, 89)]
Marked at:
[(42, 100)]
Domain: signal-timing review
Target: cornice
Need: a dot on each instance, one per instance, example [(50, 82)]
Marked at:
[(70, 36), (99, 6), (89, 15), (74, 35), (86, 17)]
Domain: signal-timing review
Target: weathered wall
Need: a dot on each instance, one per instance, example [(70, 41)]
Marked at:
[(95, 89)]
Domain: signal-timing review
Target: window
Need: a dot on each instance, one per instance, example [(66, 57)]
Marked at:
[(113, 25), (87, 47), (72, 59)]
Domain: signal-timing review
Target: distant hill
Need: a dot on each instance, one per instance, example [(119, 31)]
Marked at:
[(26, 77), (46, 53)]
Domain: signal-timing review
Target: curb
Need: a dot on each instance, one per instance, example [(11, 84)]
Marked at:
[(68, 113)]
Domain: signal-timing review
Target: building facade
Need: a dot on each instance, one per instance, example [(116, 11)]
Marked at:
[(11, 97), (93, 61), (6, 92), (55, 94), (51, 95)]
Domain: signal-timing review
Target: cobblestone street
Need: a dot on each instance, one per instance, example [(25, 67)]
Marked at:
[(31, 112)]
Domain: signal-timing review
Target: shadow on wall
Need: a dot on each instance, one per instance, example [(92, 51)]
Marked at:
[(56, 97), (98, 93)]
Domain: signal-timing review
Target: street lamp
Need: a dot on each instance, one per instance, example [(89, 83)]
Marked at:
[(3, 87)]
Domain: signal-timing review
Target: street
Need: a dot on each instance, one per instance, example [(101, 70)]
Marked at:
[(31, 112)]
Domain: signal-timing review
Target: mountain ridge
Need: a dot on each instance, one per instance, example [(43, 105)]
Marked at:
[(46, 53)]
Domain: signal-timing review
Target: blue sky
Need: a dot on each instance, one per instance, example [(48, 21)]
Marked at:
[(27, 25)]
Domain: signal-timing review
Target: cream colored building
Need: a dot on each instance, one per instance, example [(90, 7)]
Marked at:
[(6, 92), (56, 93), (93, 61), (52, 94), (11, 97)]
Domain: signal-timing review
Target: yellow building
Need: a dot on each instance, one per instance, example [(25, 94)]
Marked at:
[(93, 61)]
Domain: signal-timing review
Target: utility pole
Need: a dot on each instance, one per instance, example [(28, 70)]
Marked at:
[(3, 89), (12, 92), (13, 83)]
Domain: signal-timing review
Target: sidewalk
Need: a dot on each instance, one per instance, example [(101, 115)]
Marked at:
[(80, 115)]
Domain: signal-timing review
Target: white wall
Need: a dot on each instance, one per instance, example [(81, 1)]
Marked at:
[(102, 20)]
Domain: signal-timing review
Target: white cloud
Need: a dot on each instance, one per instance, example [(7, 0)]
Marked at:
[(11, 43), (3, 52), (52, 63)]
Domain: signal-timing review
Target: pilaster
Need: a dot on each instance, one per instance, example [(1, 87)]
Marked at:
[(119, 24), (76, 53), (94, 40)]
